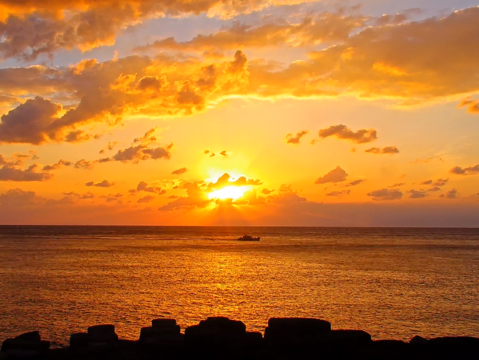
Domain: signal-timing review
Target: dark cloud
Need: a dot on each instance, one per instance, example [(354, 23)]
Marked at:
[(334, 176), (295, 139), (417, 194), (84, 164), (58, 165), (109, 146), (339, 193), (146, 199), (343, 132), (179, 171), (386, 194), (472, 170), (397, 185), (31, 122), (355, 182), (104, 184), (112, 197), (10, 173), (436, 188), (438, 182), (225, 180), (143, 151), (385, 150), (451, 194), (144, 186)]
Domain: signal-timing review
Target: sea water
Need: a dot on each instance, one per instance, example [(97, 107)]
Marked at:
[(393, 283)]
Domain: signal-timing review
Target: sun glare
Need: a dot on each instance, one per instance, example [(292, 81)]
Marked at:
[(228, 192)]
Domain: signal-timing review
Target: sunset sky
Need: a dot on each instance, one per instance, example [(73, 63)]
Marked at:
[(239, 112)]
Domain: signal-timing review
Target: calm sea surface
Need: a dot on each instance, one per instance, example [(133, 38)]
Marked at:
[(393, 283)]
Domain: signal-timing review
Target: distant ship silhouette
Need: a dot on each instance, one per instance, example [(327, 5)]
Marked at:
[(248, 238)]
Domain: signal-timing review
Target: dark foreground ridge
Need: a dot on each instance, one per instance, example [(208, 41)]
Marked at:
[(222, 338)]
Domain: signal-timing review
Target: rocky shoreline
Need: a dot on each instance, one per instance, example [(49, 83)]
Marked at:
[(222, 338)]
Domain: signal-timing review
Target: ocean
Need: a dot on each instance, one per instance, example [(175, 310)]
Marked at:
[(391, 282)]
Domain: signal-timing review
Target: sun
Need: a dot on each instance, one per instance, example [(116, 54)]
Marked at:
[(228, 192)]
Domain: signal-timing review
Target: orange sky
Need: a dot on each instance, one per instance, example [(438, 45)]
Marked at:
[(266, 112)]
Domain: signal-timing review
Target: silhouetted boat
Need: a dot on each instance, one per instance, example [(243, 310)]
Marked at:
[(248, 238)]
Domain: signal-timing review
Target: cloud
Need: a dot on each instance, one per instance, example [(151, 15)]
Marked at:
[(58, 165), (144, 186), (451, 194), (396, 185), (343, 132), (339, 193), (112, 197), (386, 194), (84, 164), (295, 139), (32, 28), (436, 188), (109, 146), (355, 182), (142, 151), (31, 122), (386, 150), (104, 184), (426, 161), (472, 170), (413, 63), (225, 180), (266, 191), (10, 173), (334, 176), (146, 199), (179, 171), (417, 194), (438, 182), (314, 28), (224, 153), (97, 95)]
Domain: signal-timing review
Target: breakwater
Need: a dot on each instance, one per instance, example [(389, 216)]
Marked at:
[(222, 338)]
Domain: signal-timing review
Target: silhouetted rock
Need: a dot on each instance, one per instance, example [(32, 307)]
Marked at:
[(295, 330), (418, 340), (162, 323), (217, 334), (347, 338), (78, 341), (163, 332), (455, 341), (102, 335), (27, 345)]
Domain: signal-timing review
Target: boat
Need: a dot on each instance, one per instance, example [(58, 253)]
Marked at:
[(248, 238)]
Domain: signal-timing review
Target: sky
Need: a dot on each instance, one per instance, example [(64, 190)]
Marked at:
[(246, 112)]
